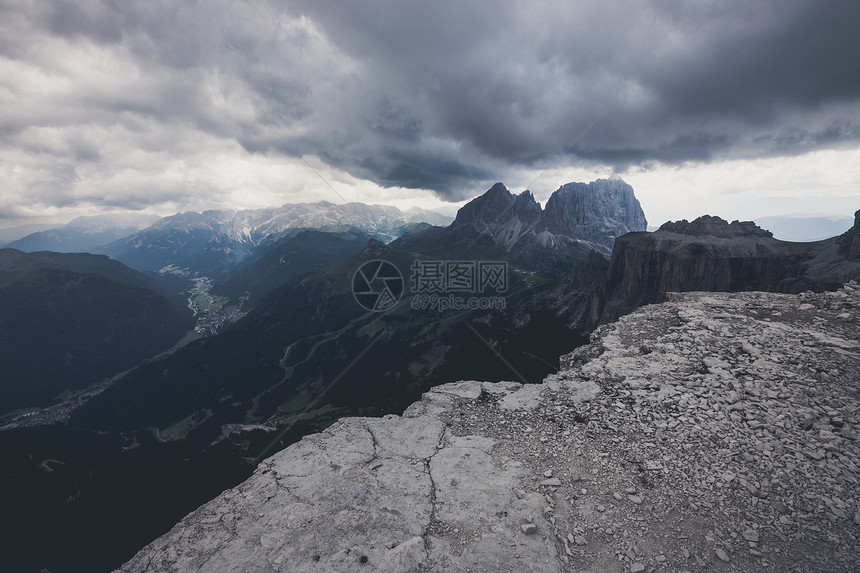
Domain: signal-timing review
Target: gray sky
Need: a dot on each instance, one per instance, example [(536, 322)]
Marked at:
[(738, 109)]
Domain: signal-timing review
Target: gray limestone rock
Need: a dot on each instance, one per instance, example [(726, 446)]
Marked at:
[(713, 427)]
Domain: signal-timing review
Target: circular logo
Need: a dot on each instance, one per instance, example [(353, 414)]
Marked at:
[(377, 285)]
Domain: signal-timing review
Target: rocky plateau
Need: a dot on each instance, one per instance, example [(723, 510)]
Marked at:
[(712, 432)]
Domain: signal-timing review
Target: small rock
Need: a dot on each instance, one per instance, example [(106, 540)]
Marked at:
[(617, 496), (547, 473), (750, 535), (553, 482), (580, 540), (529, 528), (722, 554), (637, 567), (806, 306), (818, 454), (375, 464), (635, 499)]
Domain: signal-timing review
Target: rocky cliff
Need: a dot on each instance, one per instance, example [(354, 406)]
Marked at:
[(595, 212), (849, 243), (711, 254), (711, 431), (591, 214)]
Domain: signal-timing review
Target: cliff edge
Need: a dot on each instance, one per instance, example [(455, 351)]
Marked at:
[(711, 432), (711, 254)]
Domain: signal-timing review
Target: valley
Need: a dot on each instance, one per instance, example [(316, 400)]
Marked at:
[(211, 312)]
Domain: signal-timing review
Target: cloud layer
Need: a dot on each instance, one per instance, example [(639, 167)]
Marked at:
[(176, 105)]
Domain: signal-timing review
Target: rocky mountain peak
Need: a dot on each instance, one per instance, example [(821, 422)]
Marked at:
[(374, 246), (525, 204), (484, 211), (595, 212), (589, 213), (849, 243), (716, 227)]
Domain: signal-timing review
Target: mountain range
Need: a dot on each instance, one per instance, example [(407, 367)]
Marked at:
[(305, 352), (212, 243), (275, 361), (84, 234)]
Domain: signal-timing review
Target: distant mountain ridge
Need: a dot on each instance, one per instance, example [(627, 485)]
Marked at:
[(84, 234), (214, 241), (270, 266), (804, 229)]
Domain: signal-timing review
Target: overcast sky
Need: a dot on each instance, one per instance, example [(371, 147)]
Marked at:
[(738, 109)]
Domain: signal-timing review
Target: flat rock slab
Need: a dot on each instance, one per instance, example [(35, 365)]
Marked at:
[(712, 432)]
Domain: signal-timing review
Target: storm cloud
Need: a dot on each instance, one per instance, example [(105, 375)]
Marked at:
[(130, 104)]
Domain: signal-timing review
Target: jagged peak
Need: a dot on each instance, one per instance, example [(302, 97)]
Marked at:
[(498, 188), (490, 205), (716, 227), (526, 201), (849, 242), (375, 244), (614, 183)]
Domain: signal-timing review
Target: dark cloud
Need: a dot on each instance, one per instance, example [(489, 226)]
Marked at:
[(670, 81), (442, 95)]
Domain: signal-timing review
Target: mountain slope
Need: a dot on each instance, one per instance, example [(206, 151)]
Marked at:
[(84, 234), (69, 320), (270, 267), (311, 331), (213, 242)]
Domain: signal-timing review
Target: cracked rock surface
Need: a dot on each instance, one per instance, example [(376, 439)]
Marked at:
[(714, 432)]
